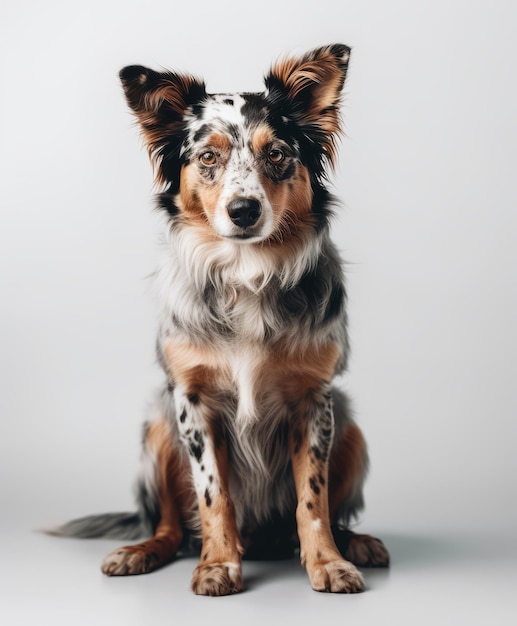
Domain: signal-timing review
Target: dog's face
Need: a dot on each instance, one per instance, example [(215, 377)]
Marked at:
[(245, 164), (239, 173)]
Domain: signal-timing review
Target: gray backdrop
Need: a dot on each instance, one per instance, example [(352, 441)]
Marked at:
[(427, 176)]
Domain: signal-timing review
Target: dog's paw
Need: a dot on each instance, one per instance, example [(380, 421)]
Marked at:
[(367, 551), (336, 577), (128, 561), (217, 579)]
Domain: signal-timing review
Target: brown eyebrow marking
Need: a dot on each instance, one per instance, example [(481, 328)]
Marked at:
[(261, 138), (219, 141)]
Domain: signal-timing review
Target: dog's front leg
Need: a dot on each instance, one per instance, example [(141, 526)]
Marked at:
[(201, 429), (310, 441)]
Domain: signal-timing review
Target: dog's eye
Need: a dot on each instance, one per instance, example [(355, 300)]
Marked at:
[(276, 156), (208, 158)]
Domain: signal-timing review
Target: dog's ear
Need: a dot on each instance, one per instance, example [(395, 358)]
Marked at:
[(308, 90), (160, 101)]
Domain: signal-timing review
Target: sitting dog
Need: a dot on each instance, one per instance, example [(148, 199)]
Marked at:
[(249, 445)]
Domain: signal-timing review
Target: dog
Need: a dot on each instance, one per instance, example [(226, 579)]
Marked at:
[(250, 448)]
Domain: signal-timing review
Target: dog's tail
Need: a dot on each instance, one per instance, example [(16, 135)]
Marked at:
[(123, 526)]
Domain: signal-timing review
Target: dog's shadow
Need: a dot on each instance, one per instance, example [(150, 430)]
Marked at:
[(407, 552)]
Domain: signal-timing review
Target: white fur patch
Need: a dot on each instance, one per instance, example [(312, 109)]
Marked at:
[(234, 570), (219, 111)]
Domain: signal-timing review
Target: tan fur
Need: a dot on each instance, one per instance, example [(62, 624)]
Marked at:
[(221, 142), (327, 569), (291, 201), (193, 366), (262, 136), (302, 370), (298, 368), (346, 465), (198, 197), (299, 200), (191, 203)]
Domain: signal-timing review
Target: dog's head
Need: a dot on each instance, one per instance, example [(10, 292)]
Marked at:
[(248, 164)]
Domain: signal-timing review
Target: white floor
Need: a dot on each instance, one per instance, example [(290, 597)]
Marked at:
[(434, 579)]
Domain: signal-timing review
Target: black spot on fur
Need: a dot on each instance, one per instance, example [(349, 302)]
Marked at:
[(228, 101), (193, 398), (202, 132), (210, 478), (208, 499), (183, 416), (310, 506), (198, 110), (254, 109), (195, 451), (197, 446), (314, 485), (316, 452), (321, 479)]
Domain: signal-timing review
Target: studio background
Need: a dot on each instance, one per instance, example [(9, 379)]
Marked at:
[(427, 223)]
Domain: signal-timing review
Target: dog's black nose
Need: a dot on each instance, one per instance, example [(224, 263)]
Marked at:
[(244, 212)]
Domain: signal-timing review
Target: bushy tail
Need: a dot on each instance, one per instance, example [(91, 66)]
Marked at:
[(127, 526)]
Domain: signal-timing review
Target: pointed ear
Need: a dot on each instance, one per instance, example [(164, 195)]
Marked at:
[(308, 88), (160, 101)]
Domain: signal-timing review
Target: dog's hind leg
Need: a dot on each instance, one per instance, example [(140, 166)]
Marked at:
[(164, 487), (348, 465)]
